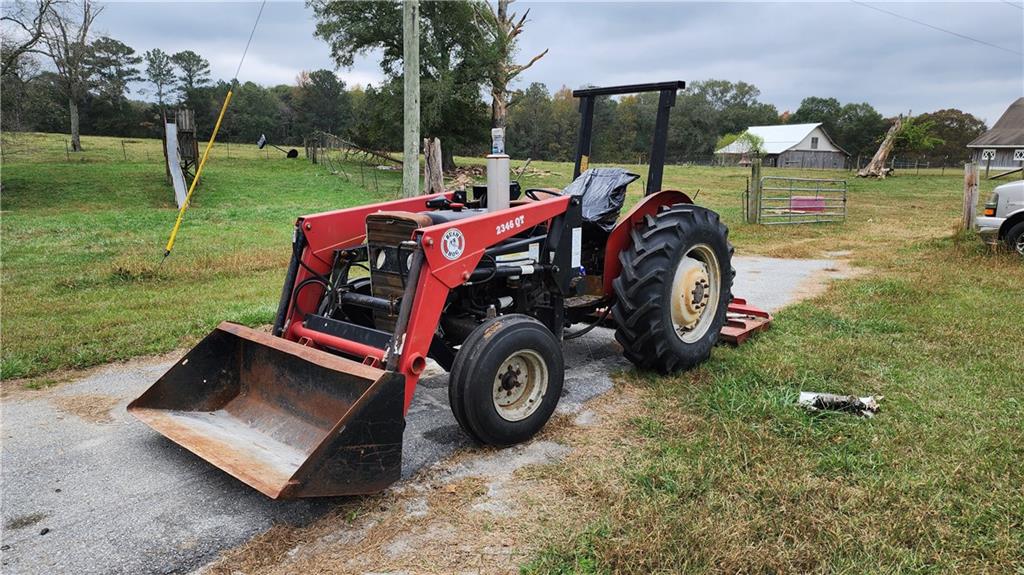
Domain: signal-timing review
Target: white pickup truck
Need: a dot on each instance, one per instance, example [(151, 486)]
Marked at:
[(1003, 218)]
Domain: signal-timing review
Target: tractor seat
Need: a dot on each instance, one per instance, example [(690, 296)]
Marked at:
[(604, 192)]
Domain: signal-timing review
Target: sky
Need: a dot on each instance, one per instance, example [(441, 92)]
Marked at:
[(845, 50)]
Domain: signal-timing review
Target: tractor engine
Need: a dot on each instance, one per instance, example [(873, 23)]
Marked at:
[(510, 282)]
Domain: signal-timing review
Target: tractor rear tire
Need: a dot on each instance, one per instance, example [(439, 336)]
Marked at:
[(668, 309), (506, 380)]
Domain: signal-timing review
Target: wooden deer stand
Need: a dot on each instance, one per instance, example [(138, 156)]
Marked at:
[(188, 146), (181, 152)]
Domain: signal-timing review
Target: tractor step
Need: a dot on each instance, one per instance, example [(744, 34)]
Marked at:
[(743, 321)]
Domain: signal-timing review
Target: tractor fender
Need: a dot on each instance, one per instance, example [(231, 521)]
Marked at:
[(620, 238)]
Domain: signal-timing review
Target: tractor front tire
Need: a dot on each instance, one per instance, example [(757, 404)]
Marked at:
[(506, 380), (673, 293)]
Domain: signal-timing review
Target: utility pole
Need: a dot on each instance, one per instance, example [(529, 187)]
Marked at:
[(411, 71)]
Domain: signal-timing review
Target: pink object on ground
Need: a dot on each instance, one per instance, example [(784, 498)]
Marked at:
[(807, 204)]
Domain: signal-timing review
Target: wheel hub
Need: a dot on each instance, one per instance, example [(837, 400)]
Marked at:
[(693, 291), (510, 379), (519, 385), (695, 296)]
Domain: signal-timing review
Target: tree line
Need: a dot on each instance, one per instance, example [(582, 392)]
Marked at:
[(468, 50)]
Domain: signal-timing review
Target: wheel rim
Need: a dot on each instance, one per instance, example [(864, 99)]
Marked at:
[(695, 294), (1019, 246), (520, 385)]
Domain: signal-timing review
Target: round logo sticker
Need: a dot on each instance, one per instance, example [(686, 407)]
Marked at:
[(452, 244)]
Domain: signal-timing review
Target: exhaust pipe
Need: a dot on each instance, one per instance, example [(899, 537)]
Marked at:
[(498, 169)]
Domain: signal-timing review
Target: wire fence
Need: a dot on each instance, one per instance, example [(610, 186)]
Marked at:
[(851, 164), (54, 148)]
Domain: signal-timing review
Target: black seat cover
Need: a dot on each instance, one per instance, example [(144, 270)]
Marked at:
[(604, 192)]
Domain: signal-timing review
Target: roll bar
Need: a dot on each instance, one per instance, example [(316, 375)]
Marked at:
[(667, 99)]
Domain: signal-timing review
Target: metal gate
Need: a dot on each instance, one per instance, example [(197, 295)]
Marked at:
[(784, 200)]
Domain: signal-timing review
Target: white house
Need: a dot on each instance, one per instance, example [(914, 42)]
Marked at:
[(790, 146)]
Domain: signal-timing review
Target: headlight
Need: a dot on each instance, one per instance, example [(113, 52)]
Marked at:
[(991, 204)]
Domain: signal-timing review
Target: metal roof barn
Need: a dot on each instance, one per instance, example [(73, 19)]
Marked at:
[(791, 145), (1002, 147)]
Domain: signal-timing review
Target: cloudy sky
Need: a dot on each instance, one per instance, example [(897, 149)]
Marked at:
[(789, 50)]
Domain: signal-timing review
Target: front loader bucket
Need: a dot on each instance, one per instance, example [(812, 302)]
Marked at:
[(287, 419)]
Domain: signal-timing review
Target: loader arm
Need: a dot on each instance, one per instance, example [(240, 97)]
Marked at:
[(317, 236)]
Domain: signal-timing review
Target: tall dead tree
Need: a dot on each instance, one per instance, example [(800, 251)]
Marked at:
[(23, 28), (502, 29), (876, 167), (67, 40)]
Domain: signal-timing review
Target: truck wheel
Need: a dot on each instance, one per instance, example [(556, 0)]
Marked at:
[(673, 294), (506, 380), (1015, 239)]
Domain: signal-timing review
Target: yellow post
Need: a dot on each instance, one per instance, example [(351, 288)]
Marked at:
[(195, 180)]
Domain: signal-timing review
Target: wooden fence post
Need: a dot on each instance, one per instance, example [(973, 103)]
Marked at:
[(970, 195), (754, 197), (433, 176)]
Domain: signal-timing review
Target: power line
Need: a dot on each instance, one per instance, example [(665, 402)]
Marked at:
[(251, 33), (927, 25), (1015, 5)]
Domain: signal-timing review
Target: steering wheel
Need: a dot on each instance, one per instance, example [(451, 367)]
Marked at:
[(532, 193)]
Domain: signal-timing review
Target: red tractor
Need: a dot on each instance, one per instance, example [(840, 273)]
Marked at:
[(317, 407)]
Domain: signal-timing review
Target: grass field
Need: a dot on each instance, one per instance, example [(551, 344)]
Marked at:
[(82, 241), (718, 471)]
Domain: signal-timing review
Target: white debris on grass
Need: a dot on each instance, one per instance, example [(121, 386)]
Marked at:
[(862, 406)]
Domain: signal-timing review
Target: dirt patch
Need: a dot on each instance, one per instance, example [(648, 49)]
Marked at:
[(481, 511), (818, 282), (92, 407), (33, 387)]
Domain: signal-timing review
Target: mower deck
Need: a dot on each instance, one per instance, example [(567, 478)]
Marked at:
[(744, 320)]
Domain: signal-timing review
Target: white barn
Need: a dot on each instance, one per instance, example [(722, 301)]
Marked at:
[(790, 146)]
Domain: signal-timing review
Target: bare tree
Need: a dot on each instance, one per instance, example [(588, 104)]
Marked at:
[(67, 38), (28, 24), (502, 29)]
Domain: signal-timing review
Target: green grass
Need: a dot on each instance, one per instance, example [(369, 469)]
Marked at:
[(82, 241), (722, 473)]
